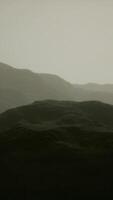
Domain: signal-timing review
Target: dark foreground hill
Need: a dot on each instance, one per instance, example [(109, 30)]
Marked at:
[(48, 113), (57, 149)]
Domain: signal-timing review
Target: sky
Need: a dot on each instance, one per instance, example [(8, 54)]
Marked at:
[(71, 38)]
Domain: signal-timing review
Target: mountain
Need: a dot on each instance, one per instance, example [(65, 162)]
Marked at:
[(20, 86), (35, 86), (94, 92), (61, 149), (96, 87), (10, 98), (32, 86)]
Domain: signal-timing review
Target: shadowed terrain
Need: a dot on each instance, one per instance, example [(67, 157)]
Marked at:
[(58, 149)]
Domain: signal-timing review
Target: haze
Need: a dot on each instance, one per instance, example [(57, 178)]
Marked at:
[(73, 38)]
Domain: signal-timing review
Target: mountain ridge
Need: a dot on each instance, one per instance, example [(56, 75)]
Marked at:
[(33, 86)]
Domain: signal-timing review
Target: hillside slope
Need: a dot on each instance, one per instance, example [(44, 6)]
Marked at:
[(80, 114), (57, 149)]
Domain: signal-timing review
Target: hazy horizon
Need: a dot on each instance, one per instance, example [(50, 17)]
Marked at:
[(73, 39)]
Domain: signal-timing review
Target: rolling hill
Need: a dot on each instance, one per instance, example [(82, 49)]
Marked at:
[(60, 149), (54, 113)]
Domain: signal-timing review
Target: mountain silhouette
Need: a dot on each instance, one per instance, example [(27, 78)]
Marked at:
[(94, 92), (10, 98), (21, 86), (32, 86), (97, 87)]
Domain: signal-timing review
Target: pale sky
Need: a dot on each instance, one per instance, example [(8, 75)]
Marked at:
[(71, 38)]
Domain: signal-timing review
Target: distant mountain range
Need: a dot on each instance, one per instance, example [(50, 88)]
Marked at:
[(57, 148), (94, 92), (29, 87), (22, 86), (96, 87)]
